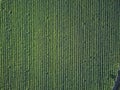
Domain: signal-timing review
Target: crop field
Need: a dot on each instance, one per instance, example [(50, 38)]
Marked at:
[(59, 44)]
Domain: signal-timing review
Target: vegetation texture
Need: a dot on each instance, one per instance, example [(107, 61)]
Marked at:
[(59, 44)]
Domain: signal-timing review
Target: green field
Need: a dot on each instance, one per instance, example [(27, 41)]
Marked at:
[(59, 44)]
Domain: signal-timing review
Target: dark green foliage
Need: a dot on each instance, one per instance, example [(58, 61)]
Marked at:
[(59, 44)]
